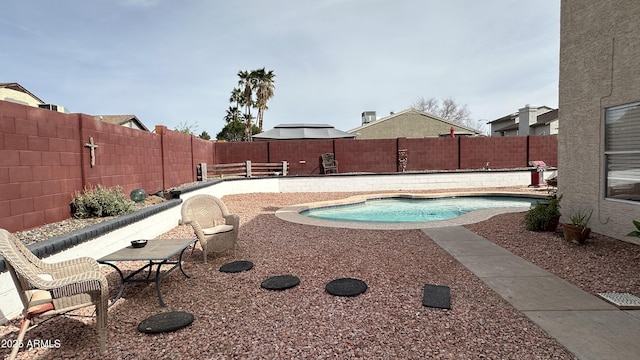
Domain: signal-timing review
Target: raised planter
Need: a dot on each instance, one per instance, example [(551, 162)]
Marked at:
[(56, 244)]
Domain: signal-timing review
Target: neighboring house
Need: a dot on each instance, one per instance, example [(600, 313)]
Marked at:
[(123, 120), (541, 120), (408, 123), (599, 102), (14, 92), (302, 132)]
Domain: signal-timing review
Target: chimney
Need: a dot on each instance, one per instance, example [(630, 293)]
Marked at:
[(368, 117), (527, 116)]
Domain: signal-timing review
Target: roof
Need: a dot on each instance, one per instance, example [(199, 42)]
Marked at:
[(121, 120), (504, 118), (512, 126), (17, 87), (516, 114), (394, 115), (302, 131), (547, 117)]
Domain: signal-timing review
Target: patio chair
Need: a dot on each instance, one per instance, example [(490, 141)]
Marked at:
[(48, 289), (329, 163), (215, 228)]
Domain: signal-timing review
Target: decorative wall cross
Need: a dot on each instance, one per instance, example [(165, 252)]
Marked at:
[(91, 145)]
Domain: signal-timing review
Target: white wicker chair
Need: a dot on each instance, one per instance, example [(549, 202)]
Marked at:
[(48, 289), (215, 228), (329, 163)]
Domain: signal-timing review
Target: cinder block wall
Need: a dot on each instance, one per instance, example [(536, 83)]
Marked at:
[(124, 157), (500, 152), (430, 153), (40, 158), (304, 156), (44, 161)]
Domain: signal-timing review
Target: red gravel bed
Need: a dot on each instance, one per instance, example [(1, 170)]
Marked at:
[(235, 318)]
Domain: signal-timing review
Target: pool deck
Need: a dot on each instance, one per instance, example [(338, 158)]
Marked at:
[(586, 325)]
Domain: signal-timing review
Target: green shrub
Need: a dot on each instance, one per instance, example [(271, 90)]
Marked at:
[(540, 216), (100, 202), (580, 218)]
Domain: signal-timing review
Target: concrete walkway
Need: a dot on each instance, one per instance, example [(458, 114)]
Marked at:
[(586, 325)]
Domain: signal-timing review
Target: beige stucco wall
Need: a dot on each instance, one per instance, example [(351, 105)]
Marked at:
[(409, 125), (599, 68), (18, 97)]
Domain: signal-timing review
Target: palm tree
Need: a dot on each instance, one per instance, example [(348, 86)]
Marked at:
[(248, 123), (233, 114), (247, 83), (265, 91), (237, 97)]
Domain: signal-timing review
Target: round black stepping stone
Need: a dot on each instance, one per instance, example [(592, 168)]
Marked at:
[(346, 287), (165, 322), (237, 266), (280, 282)]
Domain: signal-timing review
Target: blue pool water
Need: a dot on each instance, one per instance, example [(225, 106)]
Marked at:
[(416, 210)]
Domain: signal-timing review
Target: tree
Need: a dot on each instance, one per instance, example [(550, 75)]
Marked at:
[(247, 83), (265, 91), (248, 123), (237, 96), (448, 109), (258, 81), (205, 136), (233, 114), (185, 127), (235, 131)]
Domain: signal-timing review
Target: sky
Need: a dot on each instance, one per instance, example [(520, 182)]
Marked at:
[(175, 63)]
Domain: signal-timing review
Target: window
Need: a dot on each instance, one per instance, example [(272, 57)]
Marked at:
[(622, 151)]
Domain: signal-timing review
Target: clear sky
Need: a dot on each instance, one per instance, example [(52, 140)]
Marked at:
[(175, 62)]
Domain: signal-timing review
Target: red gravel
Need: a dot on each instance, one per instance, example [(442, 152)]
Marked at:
[(235, 318)]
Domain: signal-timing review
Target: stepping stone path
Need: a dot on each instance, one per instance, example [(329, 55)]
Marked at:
[(346, 287), (237, 266), (280, 282), (436, 296), (165, 322)]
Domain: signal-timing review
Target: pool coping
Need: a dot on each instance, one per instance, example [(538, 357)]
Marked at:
[(292, 213)]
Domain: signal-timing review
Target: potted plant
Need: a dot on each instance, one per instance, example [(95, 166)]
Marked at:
[(544, 216), (636, 232), (578, 230)]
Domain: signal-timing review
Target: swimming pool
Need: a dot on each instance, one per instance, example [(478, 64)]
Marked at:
[(399, 209), (399, 212)]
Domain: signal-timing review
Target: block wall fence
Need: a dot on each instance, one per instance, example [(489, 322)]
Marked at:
[(44, 159)]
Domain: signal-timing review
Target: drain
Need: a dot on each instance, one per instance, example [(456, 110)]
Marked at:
[(624, 301)]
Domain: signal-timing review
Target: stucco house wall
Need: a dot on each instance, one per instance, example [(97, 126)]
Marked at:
[(599, 59), (409, 124), (18, 97)]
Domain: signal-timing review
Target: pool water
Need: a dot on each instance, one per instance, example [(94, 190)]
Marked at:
[(416, 210)]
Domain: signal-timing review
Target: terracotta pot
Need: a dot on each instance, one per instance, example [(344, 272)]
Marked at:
[(553, 223), (575, 234)]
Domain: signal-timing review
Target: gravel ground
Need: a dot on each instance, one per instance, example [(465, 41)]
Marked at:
[(235, 318)]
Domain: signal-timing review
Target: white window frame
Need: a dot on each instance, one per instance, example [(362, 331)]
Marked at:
[(622, 152)]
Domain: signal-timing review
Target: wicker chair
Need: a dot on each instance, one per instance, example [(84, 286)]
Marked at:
[(48, 289), (329, 163), (215, 228)]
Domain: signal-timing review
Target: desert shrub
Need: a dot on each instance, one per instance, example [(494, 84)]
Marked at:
[(100, 202), (540, 216)]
